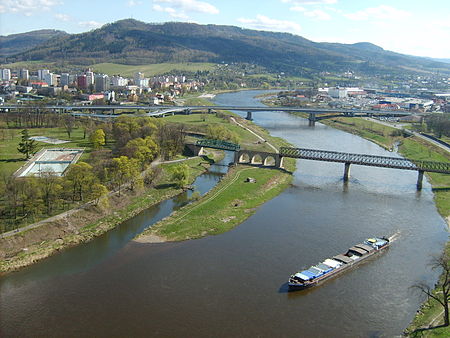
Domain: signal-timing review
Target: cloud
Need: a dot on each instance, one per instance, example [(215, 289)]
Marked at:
[(90, 24), (316, 14), (27, 7), (264, 23), (382, 12), (184, 6), (171, 11), (62, 17), (310, 2)]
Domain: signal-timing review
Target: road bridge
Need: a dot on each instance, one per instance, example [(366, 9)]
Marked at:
[(314, 114)]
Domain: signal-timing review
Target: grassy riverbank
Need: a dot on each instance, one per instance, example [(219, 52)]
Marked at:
[(429, 317), (84, 224), (231, 202)]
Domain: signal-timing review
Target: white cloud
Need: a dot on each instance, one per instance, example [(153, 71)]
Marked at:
[(297, 9), (132, 3), (382, 12), (62, 17), (310, 2), (27, 7), (171, 11), (264, 23), (90, 24), (189, 6), (316, 13)]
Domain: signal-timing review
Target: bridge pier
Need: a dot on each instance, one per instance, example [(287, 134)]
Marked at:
[(346, 171), (249, 116), (419, 180), (312, 119)]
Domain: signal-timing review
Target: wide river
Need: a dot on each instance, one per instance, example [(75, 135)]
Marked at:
[(234, 284)]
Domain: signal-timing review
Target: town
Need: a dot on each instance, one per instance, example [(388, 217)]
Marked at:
[(23, 86)]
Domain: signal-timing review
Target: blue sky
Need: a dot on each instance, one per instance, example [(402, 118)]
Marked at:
[(416, 27)]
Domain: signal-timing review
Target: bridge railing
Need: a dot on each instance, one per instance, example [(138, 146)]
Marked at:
[(362, 159)]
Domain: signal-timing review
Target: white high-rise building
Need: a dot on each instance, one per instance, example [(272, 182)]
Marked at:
[(6, 74), (90, 78)]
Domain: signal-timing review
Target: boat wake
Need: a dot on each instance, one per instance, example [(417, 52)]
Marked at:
[(394, 237)]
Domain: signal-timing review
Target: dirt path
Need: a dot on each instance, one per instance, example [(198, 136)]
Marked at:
[(251, 131)]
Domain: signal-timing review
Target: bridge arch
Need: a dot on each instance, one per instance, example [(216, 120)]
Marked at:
[(244, 158), (269, 161), (257, 159)]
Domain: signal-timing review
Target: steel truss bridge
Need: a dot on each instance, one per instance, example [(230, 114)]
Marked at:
[(367, 160), (218, 144)]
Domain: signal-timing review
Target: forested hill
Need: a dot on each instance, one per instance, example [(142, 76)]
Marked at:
[(17, 43), (134, 42)]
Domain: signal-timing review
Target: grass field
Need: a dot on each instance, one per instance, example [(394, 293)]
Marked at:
[(11, 159), (227, 205), (150, 69)]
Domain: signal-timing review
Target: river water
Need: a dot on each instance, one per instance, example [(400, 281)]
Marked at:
[(234, 284)]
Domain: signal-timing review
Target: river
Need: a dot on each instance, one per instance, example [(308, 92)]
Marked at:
[(234, 284)]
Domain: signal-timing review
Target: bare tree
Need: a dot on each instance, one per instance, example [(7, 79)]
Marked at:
[(442, 291)]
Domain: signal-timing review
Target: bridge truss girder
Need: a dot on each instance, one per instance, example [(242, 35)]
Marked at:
[(367, 160)]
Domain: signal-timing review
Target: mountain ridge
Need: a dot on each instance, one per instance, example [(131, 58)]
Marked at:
[(135, 42)]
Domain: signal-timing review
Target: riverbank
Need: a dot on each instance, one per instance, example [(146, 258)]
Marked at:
[(429, 317), (231, 202), (84, 224)]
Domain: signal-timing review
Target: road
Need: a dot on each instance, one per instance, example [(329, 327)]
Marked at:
[(400, 127)]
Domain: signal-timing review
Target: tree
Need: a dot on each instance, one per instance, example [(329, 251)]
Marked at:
[(27, 146), (180, 175), (51, 188), (142, 149), (98, 190), (80, 178), (69, 123), (442, 293), (98, 138), (124, 169)]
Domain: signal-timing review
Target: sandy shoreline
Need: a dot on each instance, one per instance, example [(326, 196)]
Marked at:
[(149, 239)]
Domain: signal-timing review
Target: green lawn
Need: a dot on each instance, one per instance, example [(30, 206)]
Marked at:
[(150, 69), (227, 205)]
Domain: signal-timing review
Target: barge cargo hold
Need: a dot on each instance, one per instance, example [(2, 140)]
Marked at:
[(339, 263)]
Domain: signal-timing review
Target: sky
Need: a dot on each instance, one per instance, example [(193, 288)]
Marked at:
[(415, 27)]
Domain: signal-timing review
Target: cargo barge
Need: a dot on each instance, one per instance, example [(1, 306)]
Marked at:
[(339, 263)]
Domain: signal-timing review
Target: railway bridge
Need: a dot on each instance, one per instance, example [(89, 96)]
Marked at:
[(275, 160)]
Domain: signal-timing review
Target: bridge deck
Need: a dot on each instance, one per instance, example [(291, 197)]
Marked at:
[(368, 160)]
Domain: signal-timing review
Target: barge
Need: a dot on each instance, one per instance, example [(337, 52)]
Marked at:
[(337, 264)]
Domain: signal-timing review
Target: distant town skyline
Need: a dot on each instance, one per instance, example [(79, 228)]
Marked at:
[(414, 27)]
